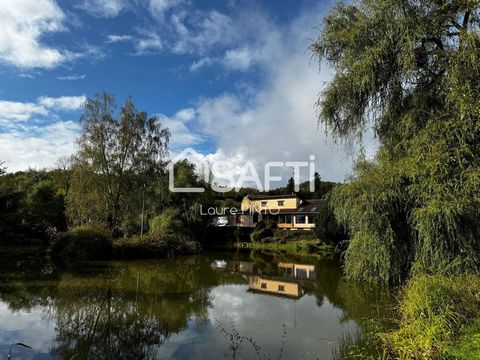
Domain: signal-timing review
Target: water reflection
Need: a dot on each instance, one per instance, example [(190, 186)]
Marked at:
[(177, 308)]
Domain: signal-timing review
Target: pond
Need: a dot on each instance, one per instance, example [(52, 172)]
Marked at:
[(244, 305)]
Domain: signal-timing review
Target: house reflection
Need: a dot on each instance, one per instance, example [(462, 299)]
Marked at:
[(287, 279), (274, 287), (299, 271)]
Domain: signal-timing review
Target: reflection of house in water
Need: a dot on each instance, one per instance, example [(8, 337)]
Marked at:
[(275, 287), (298, 271), (289, 280)]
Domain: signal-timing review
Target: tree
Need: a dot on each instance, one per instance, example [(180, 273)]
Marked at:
[(409, 69), (3, 169), (120, 152), (326, 227), (291, 186)]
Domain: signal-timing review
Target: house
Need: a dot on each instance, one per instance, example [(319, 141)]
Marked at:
[(288, 211)]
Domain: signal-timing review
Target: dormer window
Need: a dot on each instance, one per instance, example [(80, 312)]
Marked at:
[(264, 203), (281, 203)]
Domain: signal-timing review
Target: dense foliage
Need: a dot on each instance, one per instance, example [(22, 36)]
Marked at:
[(410, 70), (327, 228), (83, 243), (31, 202), (434, 309)]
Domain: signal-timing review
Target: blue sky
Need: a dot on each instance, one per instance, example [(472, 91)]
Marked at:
[(231, 79)]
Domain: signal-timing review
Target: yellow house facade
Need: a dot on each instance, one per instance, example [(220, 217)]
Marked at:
[(288, 211)]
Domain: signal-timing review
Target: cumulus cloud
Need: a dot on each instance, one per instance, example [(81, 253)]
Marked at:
[(181, 128), (278, 122), (22, 25), (62, 102), (13, 110), (31, 133), (238, 59), (39, 147)]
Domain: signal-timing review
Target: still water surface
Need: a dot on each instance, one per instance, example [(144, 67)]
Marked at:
[(214, 306)]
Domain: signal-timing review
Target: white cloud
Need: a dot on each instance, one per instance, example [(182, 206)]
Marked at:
[(149, 43), (103, 8), (72, 77), (118, 38), (197, 65), (21, 111), (62, 102), (39, 147), (238, 59), (279, 121), (22, 24), (33, 136), (159, 7), (207, 30), (180, 126), (13, 110)]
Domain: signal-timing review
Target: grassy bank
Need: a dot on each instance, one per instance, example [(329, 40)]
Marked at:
[(438, 318), (293, 247), (96, 243)]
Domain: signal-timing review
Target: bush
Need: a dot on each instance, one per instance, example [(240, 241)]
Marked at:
[(87, 242), (295, 235), (266, 224), (167, 222), (258, 235), (433, 311), (152, 247)]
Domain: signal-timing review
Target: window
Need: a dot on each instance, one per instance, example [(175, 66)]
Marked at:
[(281, 202), (281, 288), (285, 219), (263, 285), (264, 203), (300, 219), (311, 219)]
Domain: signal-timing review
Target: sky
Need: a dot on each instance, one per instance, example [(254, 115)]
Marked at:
[(232, 79)]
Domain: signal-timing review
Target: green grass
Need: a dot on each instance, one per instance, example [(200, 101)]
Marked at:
[(295, 247), (468, 344), (437, 315)]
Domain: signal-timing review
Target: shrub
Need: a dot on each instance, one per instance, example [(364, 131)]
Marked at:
[(266, 224), (87, 242), (152, 247), (258, 235), (433, 311), (165, 223), (295, 235)]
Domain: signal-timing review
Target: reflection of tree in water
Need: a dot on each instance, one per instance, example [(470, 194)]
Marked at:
[(96, 308), (104, 315), (357, 301)]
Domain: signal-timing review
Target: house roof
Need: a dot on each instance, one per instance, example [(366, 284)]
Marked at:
[(267, 197), (310, 206), (306, 207)]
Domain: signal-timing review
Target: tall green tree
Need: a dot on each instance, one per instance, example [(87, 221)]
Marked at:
[(3, 169), (410, 70), (290, 186), (119, 153)]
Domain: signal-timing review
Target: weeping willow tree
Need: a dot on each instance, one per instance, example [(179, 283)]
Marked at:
[(410, 70)]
